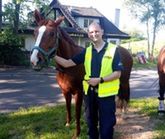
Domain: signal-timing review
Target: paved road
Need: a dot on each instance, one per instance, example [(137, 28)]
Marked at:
[(25, 87), (144, 83)]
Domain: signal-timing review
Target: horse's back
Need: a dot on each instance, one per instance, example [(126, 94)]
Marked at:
[(161, 61), (161, 67), (127, 61)]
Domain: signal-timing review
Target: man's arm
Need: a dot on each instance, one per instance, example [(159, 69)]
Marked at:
[(66, 63), (115, 75)]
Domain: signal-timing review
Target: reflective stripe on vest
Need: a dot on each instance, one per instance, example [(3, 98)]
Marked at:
[(106, 88)]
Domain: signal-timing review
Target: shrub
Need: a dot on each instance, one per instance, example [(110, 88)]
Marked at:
[(11, 48)]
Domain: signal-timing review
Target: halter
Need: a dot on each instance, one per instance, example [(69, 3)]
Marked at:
[(49, 54)]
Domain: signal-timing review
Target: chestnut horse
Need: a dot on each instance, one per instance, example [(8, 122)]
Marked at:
[(51, 40), (161, 73)]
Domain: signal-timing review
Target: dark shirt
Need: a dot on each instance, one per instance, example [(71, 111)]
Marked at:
[(96, 60)]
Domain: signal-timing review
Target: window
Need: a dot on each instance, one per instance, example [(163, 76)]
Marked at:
[(87, 22)]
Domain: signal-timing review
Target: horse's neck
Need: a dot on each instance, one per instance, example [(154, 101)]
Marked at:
[(67, 48)]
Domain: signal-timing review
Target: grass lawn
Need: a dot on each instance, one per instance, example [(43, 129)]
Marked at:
[(48, 122), (142, 46), (148, 65)]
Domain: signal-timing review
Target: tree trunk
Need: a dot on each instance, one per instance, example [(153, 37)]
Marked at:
[(16, 20), (0, 15), (154, 37), (148, 40)]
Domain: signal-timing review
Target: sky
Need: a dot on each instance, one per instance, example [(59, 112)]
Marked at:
[(107, 8)]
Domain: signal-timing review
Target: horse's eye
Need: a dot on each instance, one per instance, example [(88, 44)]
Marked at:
[(51, 34)]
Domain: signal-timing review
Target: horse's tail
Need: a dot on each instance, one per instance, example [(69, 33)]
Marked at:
[(124, 90)]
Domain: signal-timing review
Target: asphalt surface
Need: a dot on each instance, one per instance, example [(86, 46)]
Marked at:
[(25, 87), (20, 87), (144, 83)]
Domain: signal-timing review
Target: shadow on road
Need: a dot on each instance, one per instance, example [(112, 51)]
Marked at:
[(25, 87)]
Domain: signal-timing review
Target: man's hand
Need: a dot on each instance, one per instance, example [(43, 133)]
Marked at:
[(93, 81)]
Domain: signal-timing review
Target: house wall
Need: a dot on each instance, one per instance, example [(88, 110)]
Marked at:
[(30, 41), (80, 21)]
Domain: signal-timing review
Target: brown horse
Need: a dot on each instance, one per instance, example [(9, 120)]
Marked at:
[(161, 73), (50, 38)]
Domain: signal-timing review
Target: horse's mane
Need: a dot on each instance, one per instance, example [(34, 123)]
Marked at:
[(67, 37)]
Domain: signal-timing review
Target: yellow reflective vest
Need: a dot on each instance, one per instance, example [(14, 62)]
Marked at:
[(107, 88)]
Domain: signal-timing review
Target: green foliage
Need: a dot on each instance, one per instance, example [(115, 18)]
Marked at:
[(22, 10), (135, 36), (10, 48), (7, 37), (150, 12)]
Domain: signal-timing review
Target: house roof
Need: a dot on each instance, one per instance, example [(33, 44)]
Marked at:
[(56, 5), (71, 12), (83, 11)]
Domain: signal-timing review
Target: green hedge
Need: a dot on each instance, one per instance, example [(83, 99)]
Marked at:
[(11, 48)]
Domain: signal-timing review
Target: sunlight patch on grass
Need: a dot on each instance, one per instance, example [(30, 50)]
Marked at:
[(147, 105)]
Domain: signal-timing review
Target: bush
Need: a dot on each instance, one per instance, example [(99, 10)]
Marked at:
[(11, 48)]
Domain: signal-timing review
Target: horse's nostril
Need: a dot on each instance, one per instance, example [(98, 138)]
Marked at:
[(32, 63)]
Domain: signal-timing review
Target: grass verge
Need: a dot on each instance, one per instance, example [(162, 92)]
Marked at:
[(49, 122)]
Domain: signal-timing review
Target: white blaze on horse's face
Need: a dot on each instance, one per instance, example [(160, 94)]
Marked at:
[(34, 58)]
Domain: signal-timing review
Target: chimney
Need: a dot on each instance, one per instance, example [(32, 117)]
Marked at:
[(117, 17)]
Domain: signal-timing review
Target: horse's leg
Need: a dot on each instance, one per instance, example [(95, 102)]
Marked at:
[(68, 98), (78, 103), (161, 108)]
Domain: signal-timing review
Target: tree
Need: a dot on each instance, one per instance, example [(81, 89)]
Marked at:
[(15, 12), (136, 35), (152, 13), (11, 43)]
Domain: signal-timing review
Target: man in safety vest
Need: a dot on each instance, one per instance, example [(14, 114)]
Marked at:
[(101, 82)]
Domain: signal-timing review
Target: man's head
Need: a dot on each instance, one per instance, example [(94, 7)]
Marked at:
[(95, 32)]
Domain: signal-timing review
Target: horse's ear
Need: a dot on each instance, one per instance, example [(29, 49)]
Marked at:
[(59, 20), (38, 17)]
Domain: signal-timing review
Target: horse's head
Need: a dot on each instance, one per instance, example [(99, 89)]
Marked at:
[(46, 36)]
